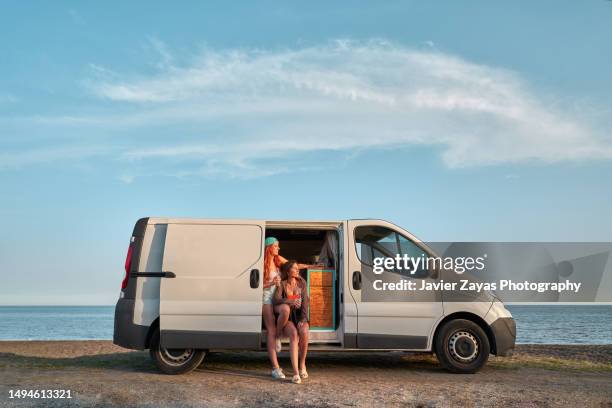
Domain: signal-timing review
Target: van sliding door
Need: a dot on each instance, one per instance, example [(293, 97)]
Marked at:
[(210, 301)]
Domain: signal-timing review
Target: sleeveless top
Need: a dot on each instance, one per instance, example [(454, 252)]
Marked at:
[(273, 274)]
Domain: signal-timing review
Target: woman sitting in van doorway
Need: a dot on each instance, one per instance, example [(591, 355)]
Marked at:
[(272, 262), (291, 303)]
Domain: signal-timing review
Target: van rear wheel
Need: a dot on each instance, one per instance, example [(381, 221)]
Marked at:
[(174, 361), (462, 346)]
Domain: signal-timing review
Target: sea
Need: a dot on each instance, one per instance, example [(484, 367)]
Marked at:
[(536, 324)]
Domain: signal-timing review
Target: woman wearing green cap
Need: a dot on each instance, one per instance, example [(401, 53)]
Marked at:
[(272, 263)]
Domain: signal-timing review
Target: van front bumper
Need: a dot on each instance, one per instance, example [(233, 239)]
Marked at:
[(504, 332), (127, 334)]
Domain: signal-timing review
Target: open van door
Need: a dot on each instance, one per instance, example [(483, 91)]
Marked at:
[(211, 295)]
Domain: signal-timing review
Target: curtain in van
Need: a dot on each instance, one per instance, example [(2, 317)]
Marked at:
[(329, 251)]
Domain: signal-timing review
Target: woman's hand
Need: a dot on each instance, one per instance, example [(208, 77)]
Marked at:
[(277, 281), (297, 303), (294, 302)]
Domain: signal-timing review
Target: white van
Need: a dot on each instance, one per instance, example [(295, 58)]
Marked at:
[(195, 285)]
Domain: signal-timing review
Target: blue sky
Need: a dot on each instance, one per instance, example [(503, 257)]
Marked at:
[(457, 120)]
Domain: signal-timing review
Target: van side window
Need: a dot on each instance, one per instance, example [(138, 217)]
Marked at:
[(380, 242), (408, 247)]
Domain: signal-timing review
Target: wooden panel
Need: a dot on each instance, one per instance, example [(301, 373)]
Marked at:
[(321, 306), (322, 298), (321, 278)]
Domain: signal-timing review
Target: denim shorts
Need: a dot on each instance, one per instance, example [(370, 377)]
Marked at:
[(268, 293)]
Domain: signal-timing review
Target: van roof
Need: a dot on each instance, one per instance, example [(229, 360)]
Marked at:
[(183, 220), (328, 224)]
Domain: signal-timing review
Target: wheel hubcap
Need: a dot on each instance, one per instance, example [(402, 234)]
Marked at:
[(175, 357), (463, 346)]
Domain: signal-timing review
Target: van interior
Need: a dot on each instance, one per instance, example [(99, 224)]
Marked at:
[(314, 247)]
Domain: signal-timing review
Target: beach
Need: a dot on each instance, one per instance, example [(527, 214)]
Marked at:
[(99, 373)]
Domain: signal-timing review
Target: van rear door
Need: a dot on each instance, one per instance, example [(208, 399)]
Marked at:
[(211, 296)]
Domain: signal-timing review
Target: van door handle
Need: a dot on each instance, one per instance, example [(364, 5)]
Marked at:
[(357, 280), (167, 274), (254, 278)]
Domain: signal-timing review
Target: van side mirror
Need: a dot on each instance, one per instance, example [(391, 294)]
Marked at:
[(254, 280)]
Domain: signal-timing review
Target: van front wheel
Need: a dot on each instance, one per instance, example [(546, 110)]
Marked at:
[(174, 361), (462, 346)]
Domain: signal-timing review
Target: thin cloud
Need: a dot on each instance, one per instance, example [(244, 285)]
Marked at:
[(127, 178), (76, 17), (166, 57), (18, 159), (228, 112), (6, 98), (379, 93)]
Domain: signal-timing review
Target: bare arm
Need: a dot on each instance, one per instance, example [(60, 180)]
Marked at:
[(300, 265), (309, 266)]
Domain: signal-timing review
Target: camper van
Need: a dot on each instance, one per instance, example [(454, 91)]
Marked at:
[(195, 285)]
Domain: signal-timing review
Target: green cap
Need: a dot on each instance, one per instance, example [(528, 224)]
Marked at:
[(271, 241)]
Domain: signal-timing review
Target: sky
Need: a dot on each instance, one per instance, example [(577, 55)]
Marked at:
[(460, 121)]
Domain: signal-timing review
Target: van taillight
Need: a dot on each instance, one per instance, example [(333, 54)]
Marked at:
[(128, 266)]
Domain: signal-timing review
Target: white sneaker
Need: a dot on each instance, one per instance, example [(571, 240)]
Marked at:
[(279, 345), (296, 379), (277, 373)]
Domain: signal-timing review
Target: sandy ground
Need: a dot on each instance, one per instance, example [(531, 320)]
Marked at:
[(101, 374)]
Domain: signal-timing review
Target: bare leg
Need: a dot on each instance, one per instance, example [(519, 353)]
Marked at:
[(283, 317), (291, 332), (268, 315), (303, 333)]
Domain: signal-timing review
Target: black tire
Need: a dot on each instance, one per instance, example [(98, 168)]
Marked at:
[(462, 346), (174, 361)]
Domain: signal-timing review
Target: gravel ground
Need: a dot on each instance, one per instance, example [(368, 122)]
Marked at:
[(101, 374)]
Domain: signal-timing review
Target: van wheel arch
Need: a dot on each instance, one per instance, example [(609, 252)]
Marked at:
[(152, 329), (174, 361), (472, 317)]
